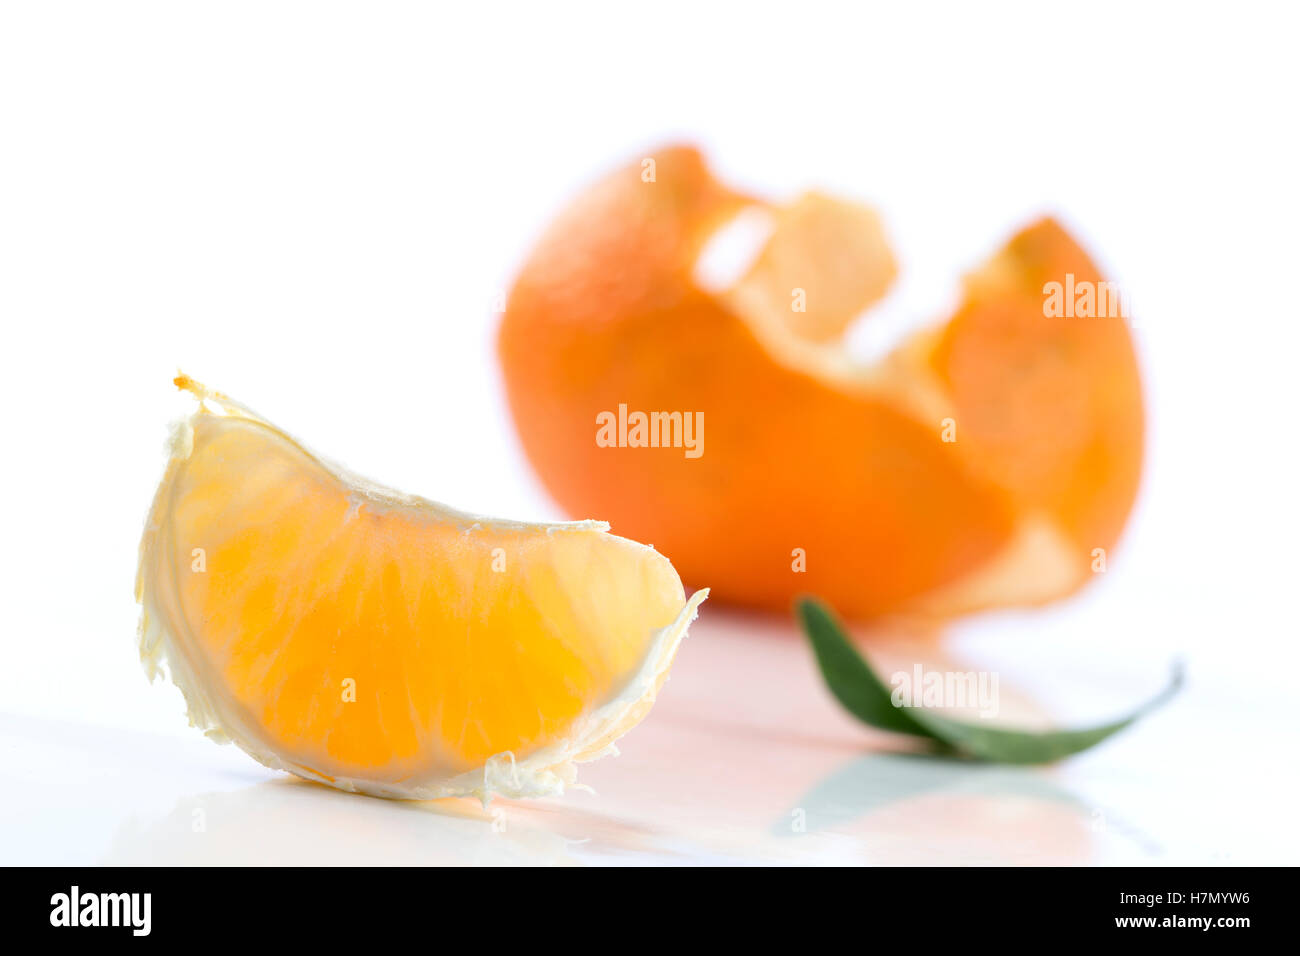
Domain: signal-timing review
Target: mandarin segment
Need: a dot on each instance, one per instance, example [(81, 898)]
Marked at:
[(806, 452), (387, 644)]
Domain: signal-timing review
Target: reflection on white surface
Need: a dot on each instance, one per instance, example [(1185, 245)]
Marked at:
[(289, 822), (745, 759)]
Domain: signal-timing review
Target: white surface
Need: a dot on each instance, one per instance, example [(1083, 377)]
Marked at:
[(742, 747), (314, 207)]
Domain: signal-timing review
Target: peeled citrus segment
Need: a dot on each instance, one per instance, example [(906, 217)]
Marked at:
[(386, 644), (981, 464)]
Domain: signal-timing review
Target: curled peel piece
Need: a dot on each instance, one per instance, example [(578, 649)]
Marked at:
[(980, 464), (385, 644), (826, 261)]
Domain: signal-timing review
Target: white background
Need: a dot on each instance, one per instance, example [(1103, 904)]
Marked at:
[(313, 207)]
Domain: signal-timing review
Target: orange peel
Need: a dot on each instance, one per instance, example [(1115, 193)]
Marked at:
[(820, 474)]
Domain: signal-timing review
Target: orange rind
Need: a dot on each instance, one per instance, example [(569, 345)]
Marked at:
[(982, 463)]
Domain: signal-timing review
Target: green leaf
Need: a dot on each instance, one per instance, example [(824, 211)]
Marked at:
[(864, 695)]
